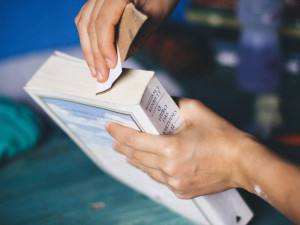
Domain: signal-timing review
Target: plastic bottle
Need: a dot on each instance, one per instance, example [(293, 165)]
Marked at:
[(259, 65)]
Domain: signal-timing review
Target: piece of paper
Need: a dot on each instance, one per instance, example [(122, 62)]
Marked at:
[(113, 76)]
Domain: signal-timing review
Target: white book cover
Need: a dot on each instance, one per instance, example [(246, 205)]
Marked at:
[(65, 90)]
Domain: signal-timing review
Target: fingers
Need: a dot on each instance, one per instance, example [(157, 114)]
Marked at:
[(96, 24), (153, 173), (106, 21), (135, 139), (79, 14), (99, 64), (82, 21), (177, 185), (147, 162), (144, 158)]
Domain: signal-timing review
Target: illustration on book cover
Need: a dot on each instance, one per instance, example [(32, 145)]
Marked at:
[(87, 122)]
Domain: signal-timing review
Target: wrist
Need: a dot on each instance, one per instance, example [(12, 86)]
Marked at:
[(250, 157)]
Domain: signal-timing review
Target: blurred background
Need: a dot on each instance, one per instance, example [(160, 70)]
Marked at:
[(241, 58)]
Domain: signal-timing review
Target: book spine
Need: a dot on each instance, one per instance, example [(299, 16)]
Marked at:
[(160, 108)]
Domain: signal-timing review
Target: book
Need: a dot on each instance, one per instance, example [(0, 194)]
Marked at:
[(64, 88)]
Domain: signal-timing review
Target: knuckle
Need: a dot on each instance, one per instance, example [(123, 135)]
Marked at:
[(80, 24), (101, 29), (152, 176), (181, 195), (97, 59), (79, 21), (129, 139), (76, 19), (176, 184), (173, 151), (118, 147), (100, 22), (91, 28), (134, 155), (170, 169), (191, 103), (178, 194), (169, 150), (101, 45)]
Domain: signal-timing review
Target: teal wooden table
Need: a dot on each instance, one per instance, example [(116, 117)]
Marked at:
[(57, 184)]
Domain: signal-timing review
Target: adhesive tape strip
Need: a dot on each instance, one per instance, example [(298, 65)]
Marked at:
[(113, 76)]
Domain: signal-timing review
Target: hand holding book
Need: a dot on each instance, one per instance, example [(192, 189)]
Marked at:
[(208, 155), (199, 159)]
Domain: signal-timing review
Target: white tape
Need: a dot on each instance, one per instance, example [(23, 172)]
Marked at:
[(113, 76)]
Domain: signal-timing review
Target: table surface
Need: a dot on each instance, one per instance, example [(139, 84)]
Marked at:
[(56, 183)]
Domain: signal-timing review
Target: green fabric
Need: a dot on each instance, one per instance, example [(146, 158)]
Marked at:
[(19, 128)]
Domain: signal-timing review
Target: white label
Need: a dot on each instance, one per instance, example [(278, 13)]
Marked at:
[(161, 109)]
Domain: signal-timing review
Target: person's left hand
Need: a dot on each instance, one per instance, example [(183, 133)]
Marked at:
[(200, 158)]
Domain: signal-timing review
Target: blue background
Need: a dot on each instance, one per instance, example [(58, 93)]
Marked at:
[(32, 25)]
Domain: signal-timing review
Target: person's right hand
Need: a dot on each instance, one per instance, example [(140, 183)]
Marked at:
[(208, 155), (202, 157), (96, 24)]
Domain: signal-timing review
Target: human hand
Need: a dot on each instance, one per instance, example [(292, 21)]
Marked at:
[(96, 22), (200, 158)]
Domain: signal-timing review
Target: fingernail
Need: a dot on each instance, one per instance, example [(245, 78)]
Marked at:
[(128, 160), (107, 125), (92, 70), (109, 63), (99, 75), (114, 145)]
